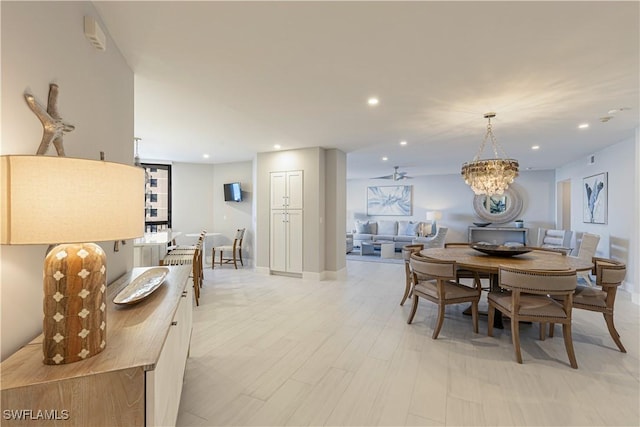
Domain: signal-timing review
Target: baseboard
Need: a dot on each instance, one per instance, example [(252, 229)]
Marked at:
[(262, 270), (336, 275)]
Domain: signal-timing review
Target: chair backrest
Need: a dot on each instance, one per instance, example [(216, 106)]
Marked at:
[(407, 250), (588, 246), (425, 266), (609, 272), (538, 281), (237, 242), (554, 238), (438, 240)]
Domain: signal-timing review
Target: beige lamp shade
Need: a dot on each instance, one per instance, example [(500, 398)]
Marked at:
[(434, 215), (48, 200)]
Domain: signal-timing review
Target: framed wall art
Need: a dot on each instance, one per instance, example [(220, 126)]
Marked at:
[(595, 190), (389, 200)]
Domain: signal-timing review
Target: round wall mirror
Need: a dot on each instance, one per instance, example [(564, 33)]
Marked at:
[(498, 208)]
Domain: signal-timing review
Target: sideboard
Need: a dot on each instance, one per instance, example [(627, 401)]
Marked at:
[(499, 235), (135, 381)]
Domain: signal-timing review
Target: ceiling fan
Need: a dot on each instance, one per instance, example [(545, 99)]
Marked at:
[(396, 176)]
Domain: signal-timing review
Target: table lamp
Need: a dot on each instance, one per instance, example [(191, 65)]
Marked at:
[(434, 216), (67, 202)]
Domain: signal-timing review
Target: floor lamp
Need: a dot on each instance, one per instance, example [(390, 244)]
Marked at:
[(66, 202)]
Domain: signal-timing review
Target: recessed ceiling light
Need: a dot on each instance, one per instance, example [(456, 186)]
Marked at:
[(277, 146), (385, 158), (206, 156), (373, 101), (535, 147), (583, 125), (403, 142)]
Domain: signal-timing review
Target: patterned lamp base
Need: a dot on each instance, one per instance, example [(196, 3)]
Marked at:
[(75, 311)]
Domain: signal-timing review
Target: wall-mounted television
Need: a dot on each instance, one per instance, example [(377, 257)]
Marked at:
[(232, 192)]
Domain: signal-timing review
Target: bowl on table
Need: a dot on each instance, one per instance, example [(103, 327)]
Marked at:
[(500, 250), (481, 224)]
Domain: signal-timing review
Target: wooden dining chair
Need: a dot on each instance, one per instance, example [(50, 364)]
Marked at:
[(527, 296), (407, 250), (463, 273), (609, 275), (586, 251), (435, 281), (235, 249), (192, 258)]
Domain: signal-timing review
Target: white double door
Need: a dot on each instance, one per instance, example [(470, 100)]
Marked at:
[(287, 194), (286, 241)]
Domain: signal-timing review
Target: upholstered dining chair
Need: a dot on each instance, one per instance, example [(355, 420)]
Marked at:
[(235, 249), (435, 281), (528, 297), (555, 239), (462, 273), (609, 275), (436, 241), (586, 252), (407, 250)]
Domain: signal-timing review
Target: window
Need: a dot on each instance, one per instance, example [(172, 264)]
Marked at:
[(157, 197)]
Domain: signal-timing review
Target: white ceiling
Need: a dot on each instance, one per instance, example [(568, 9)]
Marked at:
[(231, 79)]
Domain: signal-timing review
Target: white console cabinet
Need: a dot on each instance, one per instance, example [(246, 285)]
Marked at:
[(499, 235), (135, 381)]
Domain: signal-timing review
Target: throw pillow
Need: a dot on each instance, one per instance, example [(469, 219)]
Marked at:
[(363, 227), (412, 229), (388, 228)]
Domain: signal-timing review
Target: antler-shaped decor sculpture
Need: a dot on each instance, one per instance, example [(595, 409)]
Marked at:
[(53, 126)]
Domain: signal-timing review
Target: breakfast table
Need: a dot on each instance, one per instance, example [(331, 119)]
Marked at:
[(470, 259)]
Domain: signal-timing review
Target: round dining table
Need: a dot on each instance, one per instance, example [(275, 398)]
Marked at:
[(471, 259), (468, 258)]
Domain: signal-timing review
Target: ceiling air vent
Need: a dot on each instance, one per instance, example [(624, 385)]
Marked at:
[(94, 33)]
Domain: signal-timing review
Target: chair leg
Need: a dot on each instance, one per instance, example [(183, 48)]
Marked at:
[(552, 326), (515, 337), (612, 331), (474, 315), (568, 343), (240, 254), (414, 307), (407, 287), (436, 331), (490, 316), (235, 265), (213, 257), (221, 258)]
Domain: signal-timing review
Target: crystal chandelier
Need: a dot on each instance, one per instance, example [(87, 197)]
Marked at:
[(490, 176)]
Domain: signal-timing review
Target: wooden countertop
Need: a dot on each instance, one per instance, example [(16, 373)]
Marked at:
[(135, 336)]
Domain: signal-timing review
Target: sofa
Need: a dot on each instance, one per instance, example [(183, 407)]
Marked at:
[(349, 242), (400, 232)]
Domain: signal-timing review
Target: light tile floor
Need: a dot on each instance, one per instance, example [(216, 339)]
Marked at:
[(276, 351)]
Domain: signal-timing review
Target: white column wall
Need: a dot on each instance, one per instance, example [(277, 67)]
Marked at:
[(44, 42)]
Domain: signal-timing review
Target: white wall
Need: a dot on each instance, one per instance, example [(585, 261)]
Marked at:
[(191, 199), (229, 216), (449, 194), (197, 200), (44, 42), (618, 237), (312, 162)]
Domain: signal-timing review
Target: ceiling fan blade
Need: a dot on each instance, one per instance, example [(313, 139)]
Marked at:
[(383, 177)]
